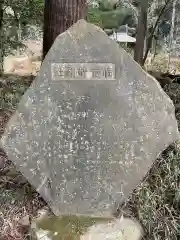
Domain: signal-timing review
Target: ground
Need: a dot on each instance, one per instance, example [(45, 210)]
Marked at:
[(17, 198), (155, 202)]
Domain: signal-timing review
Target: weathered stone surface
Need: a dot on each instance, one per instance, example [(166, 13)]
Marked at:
[(86, 144), (121, 229), (114, 229)]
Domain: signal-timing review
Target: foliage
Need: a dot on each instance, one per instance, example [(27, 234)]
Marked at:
[(94, 16), (18, 14), (130, 5), (116, 18), (27, 11), (107, 17), (164, 28), (105, 6)]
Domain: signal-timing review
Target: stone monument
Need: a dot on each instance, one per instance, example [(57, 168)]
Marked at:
[(90, 126)]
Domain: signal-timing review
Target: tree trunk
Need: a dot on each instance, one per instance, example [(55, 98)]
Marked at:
[(141, 33), (1, 39), (171, 42), (154, 48), (19, 29), (59, 15), (19, 33)]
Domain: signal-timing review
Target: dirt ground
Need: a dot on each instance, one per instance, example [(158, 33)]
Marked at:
[(155, 203)]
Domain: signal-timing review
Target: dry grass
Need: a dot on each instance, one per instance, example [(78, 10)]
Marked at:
[(156, 202), (11, 227), (17, 205), (160, 63)]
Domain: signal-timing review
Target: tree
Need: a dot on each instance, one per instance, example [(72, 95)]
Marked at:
[(1, 37), (150, 15), (171, 43), (141, 32), (153, 29), (15, 16), (59, 15)]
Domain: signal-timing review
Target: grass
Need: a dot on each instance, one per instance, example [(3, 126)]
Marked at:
[(160, 63), (155, 202)]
